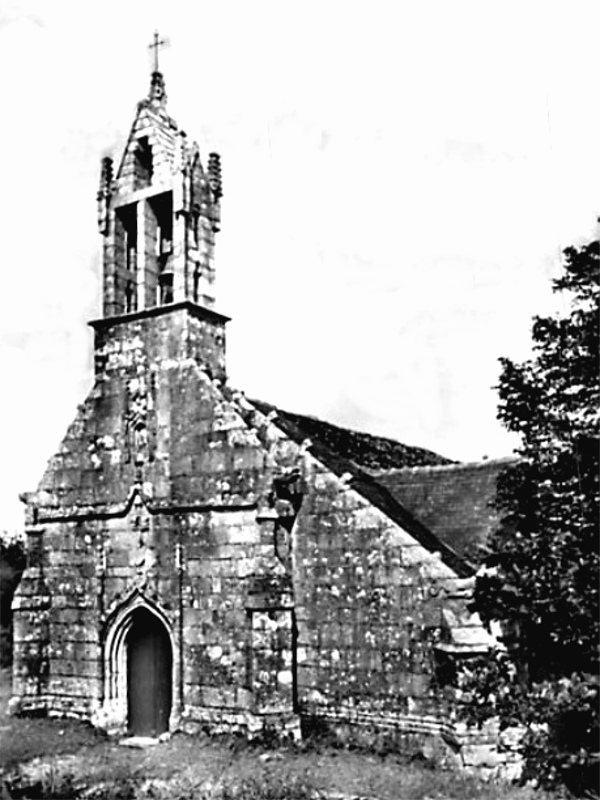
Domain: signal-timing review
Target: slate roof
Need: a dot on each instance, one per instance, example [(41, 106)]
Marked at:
[(454, 501), (365, 450), (445, 505)]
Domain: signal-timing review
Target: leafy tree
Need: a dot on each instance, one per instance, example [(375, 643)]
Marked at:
[(12, 564), (540, 579)]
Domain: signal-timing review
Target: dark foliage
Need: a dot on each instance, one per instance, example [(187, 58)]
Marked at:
[(12, 564), (541, 578)]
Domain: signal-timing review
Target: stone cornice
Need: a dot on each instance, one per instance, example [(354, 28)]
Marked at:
[(200, 312), (112, 511)]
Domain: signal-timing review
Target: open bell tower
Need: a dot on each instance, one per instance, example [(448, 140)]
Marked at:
[(158, 213)]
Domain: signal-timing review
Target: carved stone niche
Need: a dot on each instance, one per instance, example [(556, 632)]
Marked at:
[(282, 505)]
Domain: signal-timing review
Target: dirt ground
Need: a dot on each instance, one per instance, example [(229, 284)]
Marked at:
[(47, 753)]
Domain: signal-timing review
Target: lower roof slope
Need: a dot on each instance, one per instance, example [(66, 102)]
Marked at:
[(446, 505), (456, 502)]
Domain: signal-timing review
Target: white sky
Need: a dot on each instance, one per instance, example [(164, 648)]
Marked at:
[(399, 181)]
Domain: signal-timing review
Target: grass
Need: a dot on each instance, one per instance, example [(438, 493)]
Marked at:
[(70, 756), (22, 739)]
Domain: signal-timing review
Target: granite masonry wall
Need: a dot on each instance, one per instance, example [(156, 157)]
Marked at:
[(288, 599)]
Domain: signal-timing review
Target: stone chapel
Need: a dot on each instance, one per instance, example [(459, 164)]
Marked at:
[(200, 560)]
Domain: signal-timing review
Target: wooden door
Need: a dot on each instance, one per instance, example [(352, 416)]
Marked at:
[(149, 663)]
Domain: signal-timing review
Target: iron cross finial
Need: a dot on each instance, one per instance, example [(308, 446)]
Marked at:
[(155, 46)]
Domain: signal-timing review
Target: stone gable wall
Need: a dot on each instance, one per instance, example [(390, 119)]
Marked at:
[(285, 593)]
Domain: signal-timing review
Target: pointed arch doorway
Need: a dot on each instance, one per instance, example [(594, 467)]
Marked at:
[(149, 670)]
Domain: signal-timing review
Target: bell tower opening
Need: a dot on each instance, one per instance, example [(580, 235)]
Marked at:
[(162, 208), (142, 163), (126, 257)]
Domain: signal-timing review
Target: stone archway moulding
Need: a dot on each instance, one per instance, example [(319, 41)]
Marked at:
[(112, 713)]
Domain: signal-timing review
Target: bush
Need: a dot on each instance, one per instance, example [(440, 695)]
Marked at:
[(561, 746), (560, 717), (12, 564)]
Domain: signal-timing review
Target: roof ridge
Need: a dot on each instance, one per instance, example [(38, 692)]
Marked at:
[(452, 467)]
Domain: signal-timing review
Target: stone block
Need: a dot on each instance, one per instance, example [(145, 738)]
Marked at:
[(511, 738), (199, 568), (212, 696), (481, 755)]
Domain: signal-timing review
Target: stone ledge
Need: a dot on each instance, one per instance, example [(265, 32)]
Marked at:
[(201, 312)]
